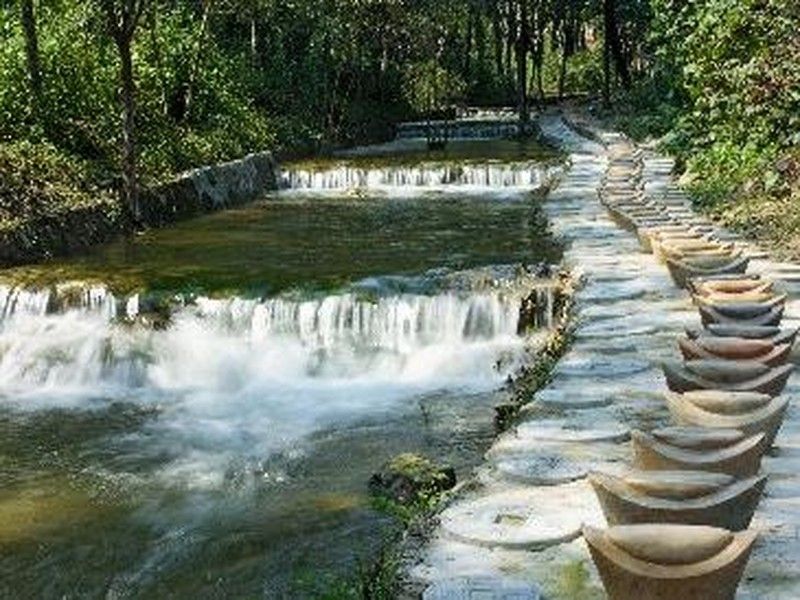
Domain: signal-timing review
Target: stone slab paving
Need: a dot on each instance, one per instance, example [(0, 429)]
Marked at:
[(515, 532)]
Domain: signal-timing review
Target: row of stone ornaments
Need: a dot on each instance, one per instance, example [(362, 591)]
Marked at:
[(679, 520)]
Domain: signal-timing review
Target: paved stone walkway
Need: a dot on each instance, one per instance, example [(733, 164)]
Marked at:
[(515, 534)]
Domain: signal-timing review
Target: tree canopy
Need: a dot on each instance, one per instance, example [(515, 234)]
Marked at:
[(209, 80)]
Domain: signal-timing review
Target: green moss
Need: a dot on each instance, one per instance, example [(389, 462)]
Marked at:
[(572, 582), (538, 373), (374, 579), (414, 466), (410, 487)]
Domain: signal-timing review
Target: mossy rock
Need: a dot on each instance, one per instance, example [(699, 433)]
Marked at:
[(408, 478)]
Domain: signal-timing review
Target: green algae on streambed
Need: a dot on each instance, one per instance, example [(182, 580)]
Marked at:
[(313, 243), (415, 151), (82, 516)]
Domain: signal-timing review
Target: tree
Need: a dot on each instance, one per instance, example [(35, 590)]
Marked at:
[(613, 43), (32, 53), (430, 90), (122, 19), (521, 47)]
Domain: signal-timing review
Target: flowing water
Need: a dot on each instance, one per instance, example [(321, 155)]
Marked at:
[(195, 412)]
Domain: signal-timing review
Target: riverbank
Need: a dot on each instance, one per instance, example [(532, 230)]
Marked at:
[(517, 528), (51, 205)]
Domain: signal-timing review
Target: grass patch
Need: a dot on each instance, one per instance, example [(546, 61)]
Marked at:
[(573, 582)]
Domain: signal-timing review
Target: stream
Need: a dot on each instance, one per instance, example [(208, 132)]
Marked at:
[(195, 411)]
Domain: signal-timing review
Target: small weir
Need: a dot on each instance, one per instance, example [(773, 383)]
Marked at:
[(525, 175), (90, 337), (470, 129)]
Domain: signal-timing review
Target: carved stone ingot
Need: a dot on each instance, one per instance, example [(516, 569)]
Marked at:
[(665, 562), (766, 419), (773, 334), (727, 375), (732, 348), (769, 312), (688, 497), (731, 452), (682, 271), (731, 286)]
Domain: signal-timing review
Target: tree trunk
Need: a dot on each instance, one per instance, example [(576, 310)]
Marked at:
[(522, 46), (562, 74), (253, 41), (613, 42), (479, 29), (198, 55), (497, 35), (511, 36), (540, 81), (129, 178), (32, 53), (152, 25), (606, 75), (468, 46)]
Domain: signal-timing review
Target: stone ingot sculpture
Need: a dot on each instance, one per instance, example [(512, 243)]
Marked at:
[(731, 286), (727, 375), (702, 294), (690, 246), (763, 351), (689, 497), (773, 334), (679, 246), (733, 278), (685, 250), (725, 298), (650, 237), (767, 313), (660, 246), (684, 270), (766, 419), (727, 403), (669, 562), (731, 452), (620, 217)]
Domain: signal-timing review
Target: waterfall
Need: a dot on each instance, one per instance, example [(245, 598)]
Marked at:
[(466, 129), (76, 339), (526, 175), (17, 302)]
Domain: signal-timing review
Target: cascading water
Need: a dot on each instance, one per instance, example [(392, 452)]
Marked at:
[(191, 426), (333, 325), (227, 360), (483, 127), (525, 175)]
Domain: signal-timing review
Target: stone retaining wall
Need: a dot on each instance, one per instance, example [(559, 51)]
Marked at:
[(195, 192), (209, 188)]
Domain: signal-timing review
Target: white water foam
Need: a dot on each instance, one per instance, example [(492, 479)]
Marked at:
[(521, 175), (236, 377)]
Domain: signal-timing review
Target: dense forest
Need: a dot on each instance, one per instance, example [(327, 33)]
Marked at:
[(98, 98)]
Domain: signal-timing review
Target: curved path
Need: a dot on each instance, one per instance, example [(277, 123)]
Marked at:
[(514, 534)]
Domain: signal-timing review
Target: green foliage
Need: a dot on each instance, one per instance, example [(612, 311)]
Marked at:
[(38, 181), (722, 90), (429, 88), (425, 482)]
